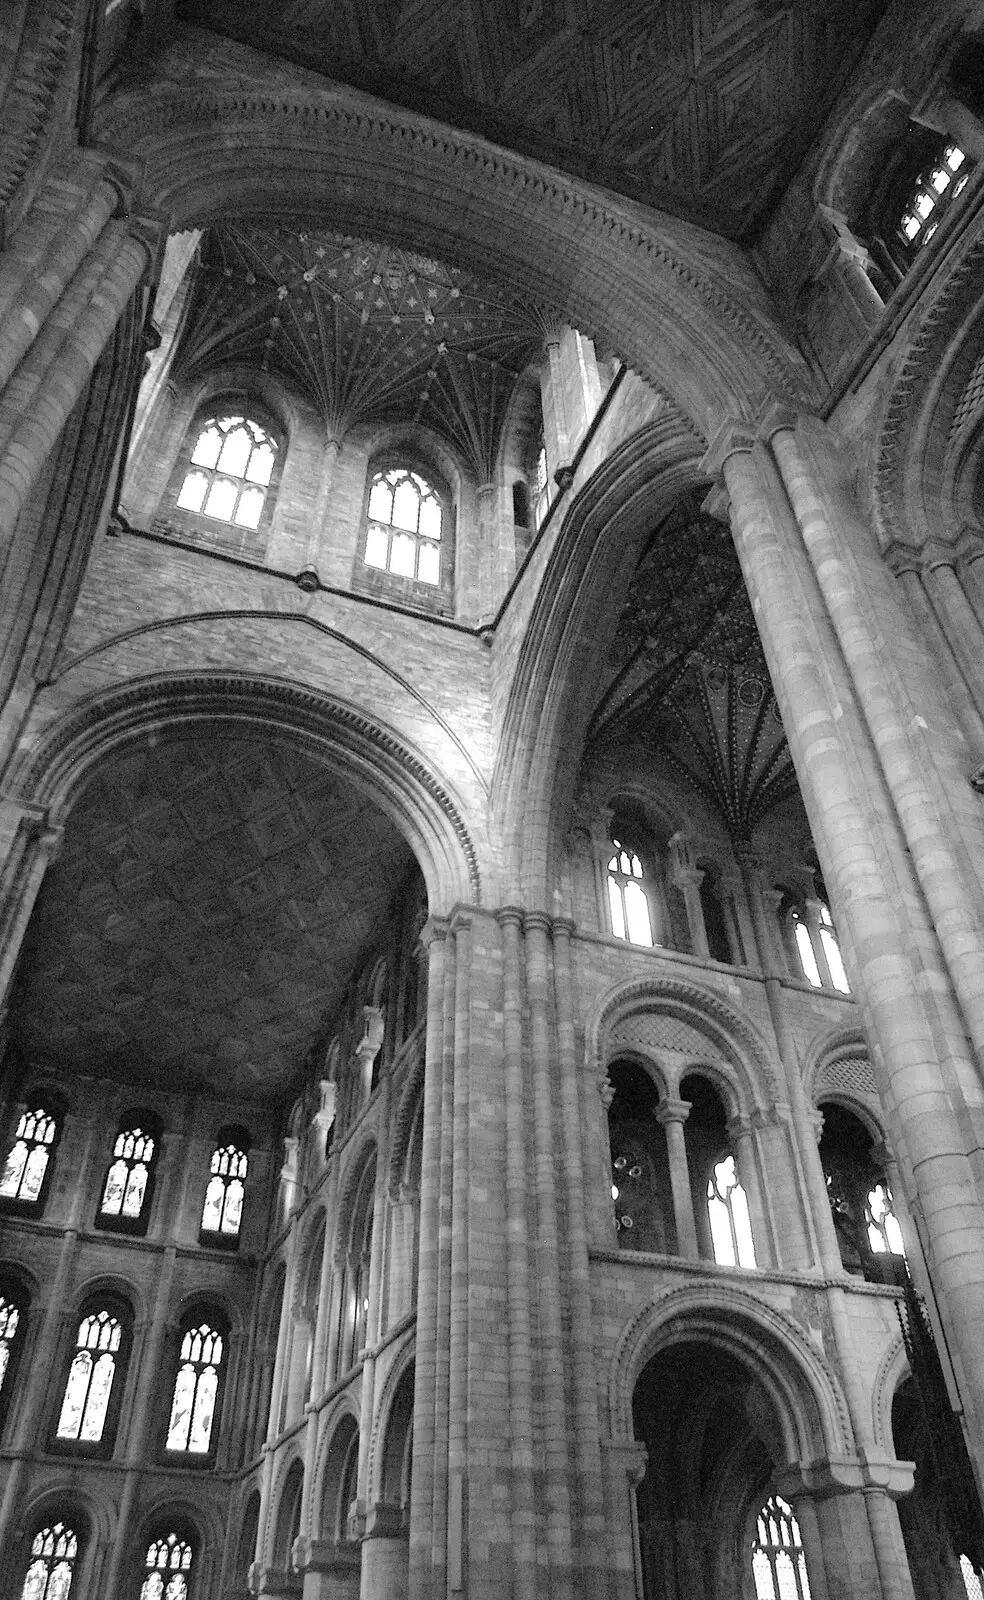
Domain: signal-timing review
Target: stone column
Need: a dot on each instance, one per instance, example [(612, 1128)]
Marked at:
[(555, 433), (327, 1571), (878, 901), (906, 563), (957, 618), (672, 1114), (688, 880), (743, 1149), (309, 577), (33, 846), (518, 1264), (385, 1554)]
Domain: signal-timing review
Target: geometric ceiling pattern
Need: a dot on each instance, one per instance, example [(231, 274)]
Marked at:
[(704, 108), (208, 906), (362, 329), (686, 676)]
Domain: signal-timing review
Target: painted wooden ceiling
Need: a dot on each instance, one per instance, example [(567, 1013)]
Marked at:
[(704, 108), (208, 906)]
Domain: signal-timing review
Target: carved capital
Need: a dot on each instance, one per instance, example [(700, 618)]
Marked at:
[(732, 438), (672, 1111)]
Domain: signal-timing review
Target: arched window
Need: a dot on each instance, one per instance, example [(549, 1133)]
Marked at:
[(354, 1299), (223, 1208), (192, 1425), (727, 1209), (128, 1187), (724, 1231), (778, 1562), (230, 469), (27, 1171), (94, 1382), (627, 899), (641, 1194), (167, 1568), (404, 526), (52, 1562), (817, 948), (13, 1326), (937, 186), (868, 1231)]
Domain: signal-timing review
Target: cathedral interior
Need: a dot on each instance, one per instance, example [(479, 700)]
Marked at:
[(491, 773)]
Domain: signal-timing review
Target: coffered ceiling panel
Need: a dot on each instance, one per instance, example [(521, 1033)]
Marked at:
[(702, 107), (208, 906)]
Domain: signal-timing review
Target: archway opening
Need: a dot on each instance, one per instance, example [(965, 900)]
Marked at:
[(713, 1442)]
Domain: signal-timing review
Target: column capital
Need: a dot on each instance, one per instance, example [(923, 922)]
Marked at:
[(901, 557), (510, 916), (670, 1110), (435, 930), (385, 1521), (537, 922), (867, 1471), (606, 1090), (732, 438)]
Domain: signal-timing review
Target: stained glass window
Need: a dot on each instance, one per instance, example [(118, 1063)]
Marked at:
[(125, 1189), (27, 1162), (54, 1551), (167, 1568), (627, 898), (778, 1562), (10, 1322), (403, 532), (727, 1209), (231, 467), (91, 1377), (223, 1208), (196, 1390)]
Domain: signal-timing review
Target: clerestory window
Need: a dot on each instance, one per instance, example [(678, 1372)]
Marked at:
[(229, 473), (778, 1561), (167, 1568), (197, 1388), (628, 901), (128, 1187), (92, 1391), (727, 1211), (223, 1209), (936, 187), (404, 526), (27, 1168), (51, 1567), (817, 946), (13, 1308)]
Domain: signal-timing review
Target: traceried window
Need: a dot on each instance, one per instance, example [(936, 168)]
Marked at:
[(778, 1562), (196, 1389), (51, 1568), (936, 188), (727, 1210), (167, 1568), (91, 1396), (627, 898), (404, 526), (12, 1319), (128, 1186), (223, 1208), (30, 1157), (231, 466)]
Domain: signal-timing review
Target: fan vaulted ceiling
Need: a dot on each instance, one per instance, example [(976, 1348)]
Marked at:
[(686, 674), (203, 918), (363, 329), (702, 107)]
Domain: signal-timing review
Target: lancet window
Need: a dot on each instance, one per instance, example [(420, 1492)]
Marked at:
[(167, 1568), (778, 1561), (817, 947), (51, 1568), (404, 526), (230, 469), (197, 1388), (29, 1160), (128, 1186), (90, 1399), (223, 1208), (727, 1210)]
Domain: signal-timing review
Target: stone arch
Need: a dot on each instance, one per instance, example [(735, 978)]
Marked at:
[(366, 752), (574, 612), (738, 1058), (837, 1068), (286, 1517), (195, 1514), (341, 1435), (402, 1126), (344, 1405), (893, 1368), (109, 1283), (95, 1519), (807, 1397), (364, 1156), (403, 1362), (219, 148)]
